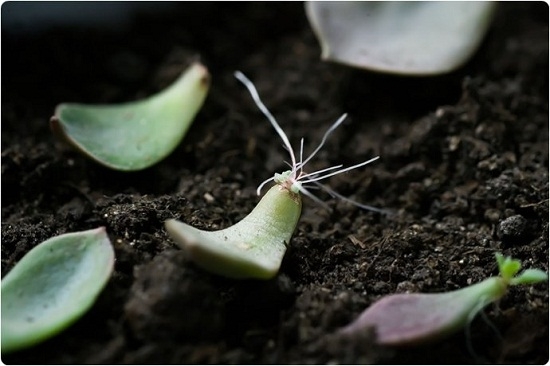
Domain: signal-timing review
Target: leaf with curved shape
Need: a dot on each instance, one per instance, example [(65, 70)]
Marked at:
[(134, 135), (410, 38), (416, 318), (53, 285), (252, 248)]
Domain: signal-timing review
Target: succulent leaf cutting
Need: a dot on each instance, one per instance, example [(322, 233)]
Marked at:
[(255, 246), (53, 285), (134, 135), (416, 318)]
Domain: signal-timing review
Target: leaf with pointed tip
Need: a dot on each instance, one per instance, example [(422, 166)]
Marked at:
[(411, 38), (134, 135), (507, 266), (410, 319), (529, 276), (53, 285), (252, 248)]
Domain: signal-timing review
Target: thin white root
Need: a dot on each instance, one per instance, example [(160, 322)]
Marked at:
[(254, 93), (314, 174), (296, 178), (259, 189), (335, 194), (317, 200), (340, 171), (325, 137)]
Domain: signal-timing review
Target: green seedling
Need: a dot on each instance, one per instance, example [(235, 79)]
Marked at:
[(255, 246), (410, 38), (134, 135), (53, 285), (412, 319)]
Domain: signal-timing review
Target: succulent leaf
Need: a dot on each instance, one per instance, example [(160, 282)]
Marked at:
[(401, 37), (135, 135), (53, 285), (252, 248)]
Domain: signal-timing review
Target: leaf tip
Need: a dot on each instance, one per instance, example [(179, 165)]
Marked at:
[(529, 277), (205, 77)]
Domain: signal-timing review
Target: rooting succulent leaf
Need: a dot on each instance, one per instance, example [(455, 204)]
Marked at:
[(410, 319), (255, 246), (413, 38), (252, 248), (134, 135), (53, 285)]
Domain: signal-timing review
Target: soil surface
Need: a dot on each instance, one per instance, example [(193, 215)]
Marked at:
[(463, 167)]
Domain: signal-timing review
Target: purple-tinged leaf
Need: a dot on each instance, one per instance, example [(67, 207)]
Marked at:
[(409, 319)]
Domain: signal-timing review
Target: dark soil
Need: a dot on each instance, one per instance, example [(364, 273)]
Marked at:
[(464, 164)]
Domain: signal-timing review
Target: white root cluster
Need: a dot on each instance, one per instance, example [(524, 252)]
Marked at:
[(295, 179)]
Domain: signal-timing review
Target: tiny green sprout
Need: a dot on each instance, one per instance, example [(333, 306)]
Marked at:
[(508, 268), (53, 285), (254, 247), (412, 319), (135, 135)]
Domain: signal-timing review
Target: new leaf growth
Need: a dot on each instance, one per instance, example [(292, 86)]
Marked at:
[(409, 319)]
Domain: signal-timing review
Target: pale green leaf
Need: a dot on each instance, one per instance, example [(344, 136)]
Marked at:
[(53, 285), (413, 38), (134, 135)]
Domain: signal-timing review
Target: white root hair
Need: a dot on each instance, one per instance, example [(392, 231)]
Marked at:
[(295, 178)]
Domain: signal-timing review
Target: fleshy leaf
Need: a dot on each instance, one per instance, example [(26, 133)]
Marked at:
[(134, 135), (413, 38), (53, 285), (507, 266), (529, 276), (252, 248), (410, 319)]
